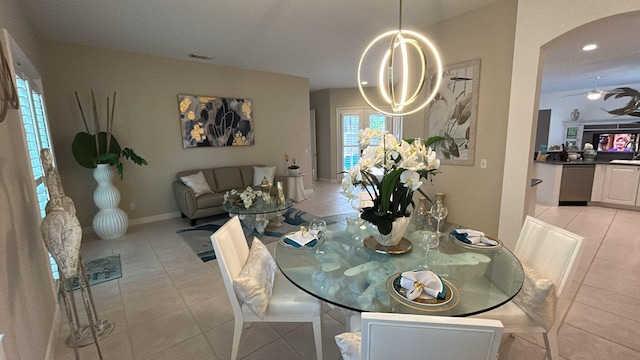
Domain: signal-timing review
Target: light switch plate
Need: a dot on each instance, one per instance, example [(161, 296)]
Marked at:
[(483, 163)]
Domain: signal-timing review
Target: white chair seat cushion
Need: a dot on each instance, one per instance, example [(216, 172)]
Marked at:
[(510, 315), (287, 299), (254, 284), (349, 345), (197, 183)]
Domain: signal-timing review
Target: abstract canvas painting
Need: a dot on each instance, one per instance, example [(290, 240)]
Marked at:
[(214, 121), (453, 113)]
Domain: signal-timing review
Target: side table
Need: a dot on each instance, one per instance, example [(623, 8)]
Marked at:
[(294, 187)]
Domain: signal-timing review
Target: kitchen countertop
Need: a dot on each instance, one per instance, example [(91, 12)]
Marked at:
[(594, 162), (575, 162)]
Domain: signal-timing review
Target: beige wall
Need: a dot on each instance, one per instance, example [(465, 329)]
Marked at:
[(538, 22), (27, 297), (473, 194), (146, 119)]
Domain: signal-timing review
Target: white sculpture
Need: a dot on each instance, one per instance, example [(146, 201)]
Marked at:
[(61, 230), (62, 235)]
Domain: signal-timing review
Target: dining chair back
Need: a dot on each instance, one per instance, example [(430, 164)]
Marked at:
[(406, 336), (287, 302), (552, 253)]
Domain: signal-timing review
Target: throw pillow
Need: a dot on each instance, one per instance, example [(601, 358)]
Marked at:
[(197, 183), (260, 173), (254, 284), (537, 298), (349, 345)]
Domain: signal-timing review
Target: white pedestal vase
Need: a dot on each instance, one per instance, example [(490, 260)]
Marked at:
[(110, 222), (398, 229)]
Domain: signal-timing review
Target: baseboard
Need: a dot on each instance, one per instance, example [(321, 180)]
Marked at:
[(329, 180), (154, 218)]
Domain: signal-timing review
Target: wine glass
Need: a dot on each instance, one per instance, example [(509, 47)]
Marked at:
[(439, 212), (317, 228), (428, 241)]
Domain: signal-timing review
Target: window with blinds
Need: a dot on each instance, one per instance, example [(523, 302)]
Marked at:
[(34, 119), (36, 133)]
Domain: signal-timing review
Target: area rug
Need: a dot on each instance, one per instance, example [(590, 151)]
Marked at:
[(101, 270), (199, 237)]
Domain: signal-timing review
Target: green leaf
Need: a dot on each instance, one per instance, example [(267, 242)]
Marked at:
[(84, 151), (83, 148), (389, 183), (433, 140)]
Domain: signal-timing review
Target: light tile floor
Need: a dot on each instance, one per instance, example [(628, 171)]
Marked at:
[(169, 305)]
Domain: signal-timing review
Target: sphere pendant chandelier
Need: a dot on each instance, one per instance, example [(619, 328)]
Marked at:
[(402, 72)]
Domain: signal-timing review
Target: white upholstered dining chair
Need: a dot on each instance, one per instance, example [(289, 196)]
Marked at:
[(406, 336), (549, 255), (257, 290)]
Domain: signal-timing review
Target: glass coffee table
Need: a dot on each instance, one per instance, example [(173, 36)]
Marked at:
[(261, 214)]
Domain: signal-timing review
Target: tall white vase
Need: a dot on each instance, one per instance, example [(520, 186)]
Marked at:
[(110, 222)]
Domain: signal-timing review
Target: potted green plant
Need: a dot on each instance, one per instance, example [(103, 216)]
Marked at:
[(89, 149)]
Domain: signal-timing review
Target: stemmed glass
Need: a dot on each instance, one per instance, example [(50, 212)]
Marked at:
[(317, 228), (428, 241), (356, 204), (439, 212)]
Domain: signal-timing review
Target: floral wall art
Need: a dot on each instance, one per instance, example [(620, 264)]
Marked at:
[(214, 121), (453, 113)]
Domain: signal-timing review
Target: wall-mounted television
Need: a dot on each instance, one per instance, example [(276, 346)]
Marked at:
[(616, 142)]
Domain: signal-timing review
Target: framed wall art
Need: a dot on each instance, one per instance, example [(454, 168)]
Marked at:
[(453, 113), (214, 121)]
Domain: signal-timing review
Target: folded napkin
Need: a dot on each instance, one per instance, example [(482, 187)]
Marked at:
[(422, 284), (472, 237), (301, 238)]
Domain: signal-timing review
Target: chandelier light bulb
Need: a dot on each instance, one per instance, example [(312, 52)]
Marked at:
[(400, 44), (402, 41)]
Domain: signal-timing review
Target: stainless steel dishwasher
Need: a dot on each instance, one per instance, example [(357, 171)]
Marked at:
[(576, 183)]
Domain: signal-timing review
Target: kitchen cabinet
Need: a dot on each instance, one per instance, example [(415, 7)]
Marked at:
[(621, 184), (598, 182)]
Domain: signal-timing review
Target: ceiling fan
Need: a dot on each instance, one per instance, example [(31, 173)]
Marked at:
[(595, 93)]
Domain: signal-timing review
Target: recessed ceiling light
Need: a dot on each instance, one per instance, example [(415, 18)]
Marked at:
[(365, 83), (589, 47)]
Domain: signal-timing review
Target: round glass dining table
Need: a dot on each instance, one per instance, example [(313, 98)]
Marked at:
[(344, 270)]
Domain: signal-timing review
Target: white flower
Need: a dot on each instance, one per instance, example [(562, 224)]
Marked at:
[(401, 162), (410, 179)]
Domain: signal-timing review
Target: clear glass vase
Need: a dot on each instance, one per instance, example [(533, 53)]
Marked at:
[(421, 214)]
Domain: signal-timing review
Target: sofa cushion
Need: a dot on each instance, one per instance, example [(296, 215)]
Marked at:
[(228, 178), (197, 183), (209, 200), (247, 175), (261, 172)]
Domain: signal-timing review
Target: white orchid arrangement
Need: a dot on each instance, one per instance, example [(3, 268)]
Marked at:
[(248, 196), (403, 164)]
